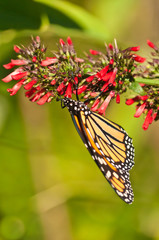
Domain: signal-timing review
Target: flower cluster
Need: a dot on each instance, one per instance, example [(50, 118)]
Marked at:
[(113, 73), (149, 102), (97, 78), (45, 78)]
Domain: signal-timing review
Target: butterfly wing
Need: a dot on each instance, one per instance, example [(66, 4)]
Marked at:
[(111, 140), (106, 143)]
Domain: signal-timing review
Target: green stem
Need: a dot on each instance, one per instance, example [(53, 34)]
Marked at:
[(147, 81)]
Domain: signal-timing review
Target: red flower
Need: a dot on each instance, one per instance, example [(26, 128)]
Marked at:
[(106, 102), (138, 58), (34, 59), (29, 85), (19, 75), (135, 49), (68, 92), (69, 41), (61, 88), (107, 76), (62, 43), (48, 61), (13, 63), (37, 95), (132, 100), (80, 89), (117, 98), (111, 61), (110, 46), (152, 45), (9, 77), (93, 52), (29, 93), (95, 105), (148, 120), (53, 82), (90, 78), (16, 49), (44, 98), (140, 110), (8, 65), (16, 87), (76, 80), (113, 76)]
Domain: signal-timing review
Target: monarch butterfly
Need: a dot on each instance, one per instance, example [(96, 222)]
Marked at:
[(109, 145)]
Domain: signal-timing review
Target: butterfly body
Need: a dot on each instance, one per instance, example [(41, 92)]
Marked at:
[(109, 145)]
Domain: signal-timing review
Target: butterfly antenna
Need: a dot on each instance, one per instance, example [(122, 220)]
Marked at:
[(61, 99), (76, 88)]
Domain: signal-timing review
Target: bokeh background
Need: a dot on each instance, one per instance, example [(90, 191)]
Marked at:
[(50, 187)]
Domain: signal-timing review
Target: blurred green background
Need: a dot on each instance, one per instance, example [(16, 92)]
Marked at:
[(50, 187)]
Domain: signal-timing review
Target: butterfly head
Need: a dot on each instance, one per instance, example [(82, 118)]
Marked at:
[(75, 107)]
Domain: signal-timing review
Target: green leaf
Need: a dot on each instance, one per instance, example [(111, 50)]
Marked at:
[(147, 81), (135, 87), (84, 19)]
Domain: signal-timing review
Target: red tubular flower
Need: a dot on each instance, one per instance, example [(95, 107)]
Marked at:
[(110, 46), (53, 82), (138, 58), (37, 96), (135, 49), (81, 89), (68, 92), (111, 61), (34, 59), (18, 62), (144, 98), (140, 110), (62, 43), (30, 93), (90, 78), (132, 100), (76, 80), (113, 76), (69, 41), (105, 87), (93, 52), (9, 78), (44, 98), (152, 45), (104, 71), (19, 75), (117, 98), (148, 120), (95, 105), (106, 102), (61, 88), (48, 61), (16, 87), (29, 85), (16, 49), (13, 63), (8, 65), (107, 76)]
